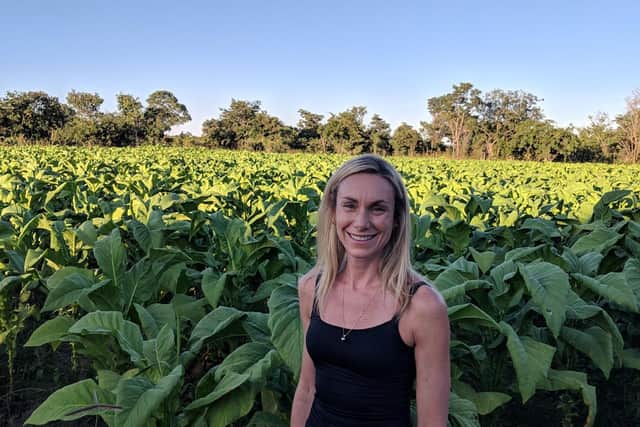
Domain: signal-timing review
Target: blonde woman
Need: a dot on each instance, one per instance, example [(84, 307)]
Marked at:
[(372, 325)]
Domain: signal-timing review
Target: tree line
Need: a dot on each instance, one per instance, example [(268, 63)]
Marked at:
[(465, 123)]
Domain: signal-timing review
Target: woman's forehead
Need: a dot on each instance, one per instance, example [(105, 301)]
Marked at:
[(366, 185)]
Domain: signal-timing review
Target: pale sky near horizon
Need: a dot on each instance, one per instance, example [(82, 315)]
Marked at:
[(581, 57)]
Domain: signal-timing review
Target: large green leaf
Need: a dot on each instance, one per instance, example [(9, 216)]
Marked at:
[(531, 360), (462, 412), (632, 275), (549, 287), (70, 290), (141, 400), (579, 309), (255, 359), (160, 352), (484, 259), (601, 209), (212, 324), (256, 325), (612, 286), (212, 286), (471, 314), (229, 382), (149, 236), (139, 284), (147, 321), (285, 325), (485, 402), (111, 256), (87, 232), (455, 293), (600, 240), (60, 276), (232, 406), (112, 323), (50, 331), (594, 342), (72, 402)]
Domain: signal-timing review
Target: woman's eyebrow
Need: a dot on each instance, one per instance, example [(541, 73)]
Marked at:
[(375, 202)]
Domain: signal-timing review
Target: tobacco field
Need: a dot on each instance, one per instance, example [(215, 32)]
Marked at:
[(156, 286)]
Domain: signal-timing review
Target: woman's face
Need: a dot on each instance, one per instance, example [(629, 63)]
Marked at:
[(364, 215)]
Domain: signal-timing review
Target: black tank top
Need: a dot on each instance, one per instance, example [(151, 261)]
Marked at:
[(366, 380)]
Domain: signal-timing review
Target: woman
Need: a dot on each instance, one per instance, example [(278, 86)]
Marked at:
[(372, 325)]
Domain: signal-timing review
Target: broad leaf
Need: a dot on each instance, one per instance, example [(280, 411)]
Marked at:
[(285, 325), (50, 331), (549, 288), (112, 323), (111, 256), (531, 360), (597, 241), (594, 342), (72, 402), (612, 286), (472, 315), (230, 382), (140, 399), (212, 324)]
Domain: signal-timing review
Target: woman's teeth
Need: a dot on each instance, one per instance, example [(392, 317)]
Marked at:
[(362, 238)]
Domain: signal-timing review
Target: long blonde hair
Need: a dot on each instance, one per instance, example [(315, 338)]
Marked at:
[(395, 268)]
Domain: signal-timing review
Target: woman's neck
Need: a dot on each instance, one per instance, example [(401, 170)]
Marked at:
[(359, 274)]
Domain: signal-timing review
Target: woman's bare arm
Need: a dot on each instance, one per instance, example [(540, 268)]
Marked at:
[(306, 388), (430, 326)]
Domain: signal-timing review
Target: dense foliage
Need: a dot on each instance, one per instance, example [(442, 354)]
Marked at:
[(465, 123), (172, 273)]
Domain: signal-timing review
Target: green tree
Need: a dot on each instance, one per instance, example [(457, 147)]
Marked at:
[(310, 131), (85, 105), (245, 125), (380, 135), (541, 140), (132, 118), (454, 117), (597, 139), (234, 127), (216, 133), (406, 140), (31, 115), (164, 111), (268, 133), (345, 132), (499, 114), (629, 130)]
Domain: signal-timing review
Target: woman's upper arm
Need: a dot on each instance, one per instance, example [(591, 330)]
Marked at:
[(306, 290), (430, 324)]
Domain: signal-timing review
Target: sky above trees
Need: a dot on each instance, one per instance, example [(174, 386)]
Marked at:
[(324, 57)]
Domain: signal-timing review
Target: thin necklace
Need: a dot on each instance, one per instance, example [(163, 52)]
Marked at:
[(346, 332)]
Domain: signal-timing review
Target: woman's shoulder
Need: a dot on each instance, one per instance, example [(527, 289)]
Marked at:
[(426, 301), (307, 284)]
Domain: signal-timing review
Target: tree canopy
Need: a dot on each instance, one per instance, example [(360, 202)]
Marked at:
[(464, 123)]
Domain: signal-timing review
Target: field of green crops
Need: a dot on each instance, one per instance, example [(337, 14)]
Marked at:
[(163, 282)]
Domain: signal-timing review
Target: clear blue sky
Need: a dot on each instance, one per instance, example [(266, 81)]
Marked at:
[(581, 57)]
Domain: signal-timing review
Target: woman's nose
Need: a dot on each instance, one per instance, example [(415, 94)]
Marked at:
[(362, 218)]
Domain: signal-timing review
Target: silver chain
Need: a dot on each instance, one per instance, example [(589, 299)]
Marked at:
[(346, 332)]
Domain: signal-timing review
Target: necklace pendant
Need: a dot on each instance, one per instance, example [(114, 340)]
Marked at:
[(343, 338)]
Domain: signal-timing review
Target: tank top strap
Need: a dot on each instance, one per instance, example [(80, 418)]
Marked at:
[(415, 286), (314, 307)]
